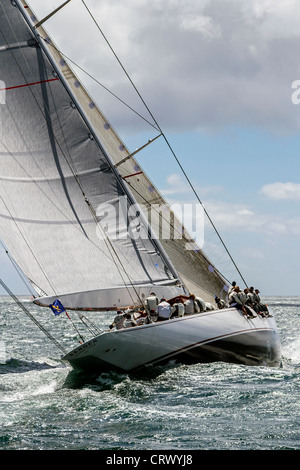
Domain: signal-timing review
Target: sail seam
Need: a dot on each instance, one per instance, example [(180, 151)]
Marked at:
[(29, 84)]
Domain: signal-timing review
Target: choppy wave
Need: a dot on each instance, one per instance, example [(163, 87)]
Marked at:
[(46, 405)]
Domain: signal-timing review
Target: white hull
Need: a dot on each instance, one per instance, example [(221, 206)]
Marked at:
[(218, 335)]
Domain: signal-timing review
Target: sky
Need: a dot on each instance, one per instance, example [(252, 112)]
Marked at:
[(222, 78)]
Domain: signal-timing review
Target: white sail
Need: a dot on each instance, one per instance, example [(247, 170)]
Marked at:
[(55, 176)]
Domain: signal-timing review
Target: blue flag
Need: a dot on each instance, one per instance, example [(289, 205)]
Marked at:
[(57, 307)]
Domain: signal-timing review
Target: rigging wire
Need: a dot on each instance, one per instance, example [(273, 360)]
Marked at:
[(25, 310), (101, 84), (165, 138), (172, 226)]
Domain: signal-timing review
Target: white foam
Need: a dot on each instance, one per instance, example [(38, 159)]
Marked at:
[(292, 351)]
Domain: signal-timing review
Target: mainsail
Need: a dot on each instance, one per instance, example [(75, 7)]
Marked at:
[(57, 182), (65, 178)]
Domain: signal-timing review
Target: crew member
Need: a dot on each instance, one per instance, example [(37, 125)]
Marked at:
[(191, 305), (140, 317), (163, 310), (118, 320), (209, 306), (220, 302), (231, 288), (201, 304), (177, 308), (151, 302), (262, 307), (129, 322)]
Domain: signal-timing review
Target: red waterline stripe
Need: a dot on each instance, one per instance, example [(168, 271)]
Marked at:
[(28, 84), (133, 174)]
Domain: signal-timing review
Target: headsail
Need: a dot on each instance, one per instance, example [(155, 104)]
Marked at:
[(57, 179)]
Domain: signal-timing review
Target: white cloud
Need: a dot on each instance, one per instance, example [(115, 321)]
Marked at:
[(177, 184), (253, 253), (204, 64), (174, 179), (244, 212), (282, 191), (202, 24), (234, 217)]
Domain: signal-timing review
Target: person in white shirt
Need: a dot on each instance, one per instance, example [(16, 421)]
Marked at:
[(263, 309), (243, 295), (140, 317), (163, 310), (220, 302), (177, 308), (191, 305), (231, 288), (151, 302), (251, 296), (118, 320), (237, 299), (129, 322), (209, 306), (201, 304)]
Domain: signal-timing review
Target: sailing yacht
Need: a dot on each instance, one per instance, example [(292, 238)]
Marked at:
[(66, 178)]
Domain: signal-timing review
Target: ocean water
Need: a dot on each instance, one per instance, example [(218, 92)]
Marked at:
[(47, 406)]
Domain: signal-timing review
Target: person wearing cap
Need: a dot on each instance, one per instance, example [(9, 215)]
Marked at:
[(163, 310), (251, 296), (220, 302), (251, 300), (231, 288), (128, 321), (263, 309), (151, 302), (118, 320)]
